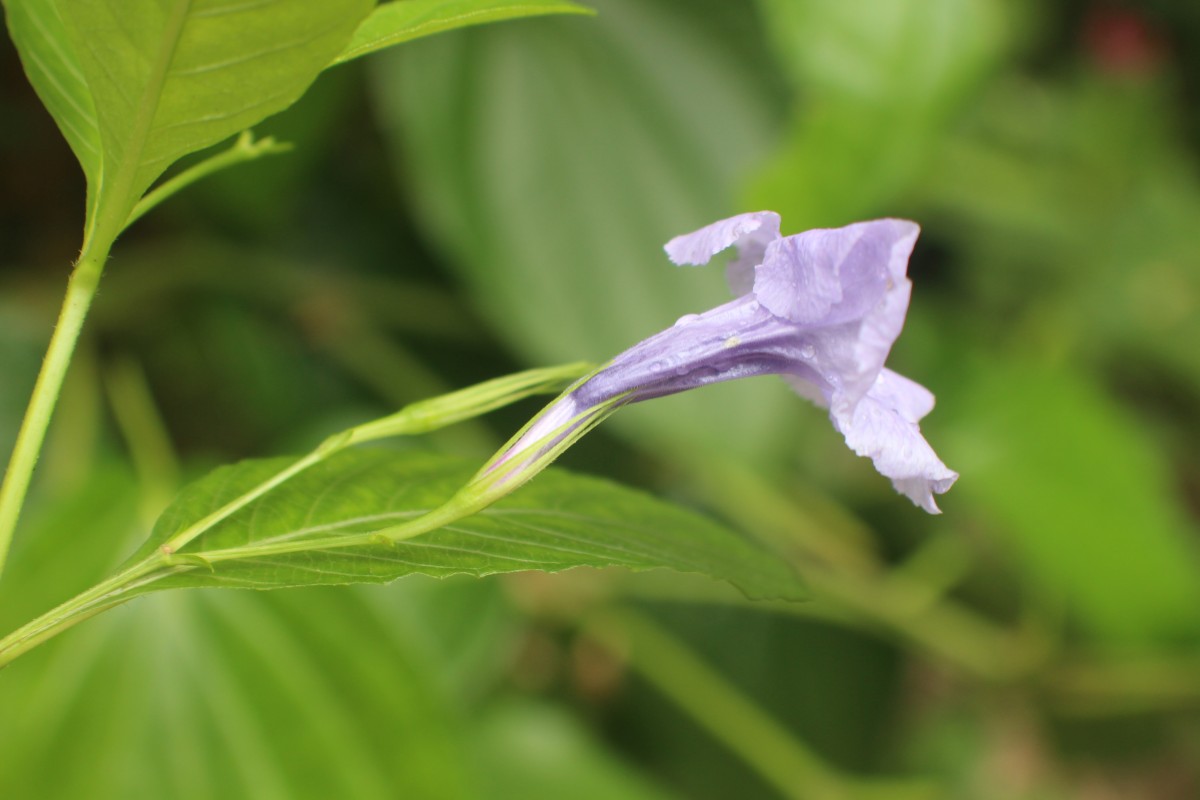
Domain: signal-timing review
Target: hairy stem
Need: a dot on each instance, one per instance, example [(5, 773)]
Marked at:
[(80, 292)]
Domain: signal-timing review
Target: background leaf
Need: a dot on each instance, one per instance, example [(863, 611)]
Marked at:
[(557, 522), (19, 358), (53, 68), (535, 750), (1092, 201), (878, 85), (168, 80), (393, 23), (321, 693), (231, 694), (1069, 483)]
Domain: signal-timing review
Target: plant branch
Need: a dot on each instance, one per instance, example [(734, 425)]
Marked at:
[(81, 290)]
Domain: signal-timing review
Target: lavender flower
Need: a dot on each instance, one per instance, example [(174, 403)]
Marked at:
[(820, 308)]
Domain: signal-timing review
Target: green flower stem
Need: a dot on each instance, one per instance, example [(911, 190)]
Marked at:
[(418, 417), (428, 415), (486, 488), (730, 717), (431, 521), (181, 539), (370, 355), (282, 548), (242, 150), (81, 290)]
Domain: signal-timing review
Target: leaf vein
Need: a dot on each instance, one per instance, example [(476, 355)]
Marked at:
[(233, 8), (63, 58), (598, 550), (242, 59), (219, 117)]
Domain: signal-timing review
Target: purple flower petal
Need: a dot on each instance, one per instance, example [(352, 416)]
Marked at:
[(698, 247), (883, 426), (750, 232), (848, 285), (909, 399), (834, 275), (734, 340), (824, 310)]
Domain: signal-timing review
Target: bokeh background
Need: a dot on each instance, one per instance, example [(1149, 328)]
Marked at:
[(496, 198)]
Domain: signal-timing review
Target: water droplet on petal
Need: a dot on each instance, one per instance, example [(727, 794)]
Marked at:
[(656, 366), (807, 351), (686, 319)]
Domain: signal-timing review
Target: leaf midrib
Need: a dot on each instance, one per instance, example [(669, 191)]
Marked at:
[(114, 212)]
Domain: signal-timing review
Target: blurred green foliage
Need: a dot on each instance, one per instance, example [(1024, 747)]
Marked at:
[(495, 198)]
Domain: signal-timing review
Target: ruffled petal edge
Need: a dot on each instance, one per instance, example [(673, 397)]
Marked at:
[(883, 427), (699, 246)]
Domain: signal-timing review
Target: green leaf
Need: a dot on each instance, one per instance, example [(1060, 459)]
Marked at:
[(224, 694), (1089, 191), (879, 84), (53, 69), (396, 22), (168, 79), (551, 160), (558, 522), (1080, 494)]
